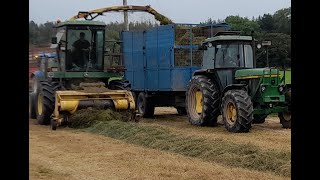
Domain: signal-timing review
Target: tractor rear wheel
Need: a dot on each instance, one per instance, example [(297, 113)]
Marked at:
[(285, 119), (45, 100), (259, 118), (32, 104), (237, 111), (145, 108), (202, 101)]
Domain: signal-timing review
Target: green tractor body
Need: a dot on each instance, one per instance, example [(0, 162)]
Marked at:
[(76, 78), (229, 84)]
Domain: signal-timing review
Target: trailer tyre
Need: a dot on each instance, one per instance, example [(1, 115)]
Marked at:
[(202, 101), (45, 100), (259, 119), (237, 111), (145, 108)]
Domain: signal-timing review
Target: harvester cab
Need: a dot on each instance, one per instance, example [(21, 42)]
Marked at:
[(230, 84), (75, 77)]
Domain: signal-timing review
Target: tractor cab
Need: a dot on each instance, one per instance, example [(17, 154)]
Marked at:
[(80, 46), (230, 84)]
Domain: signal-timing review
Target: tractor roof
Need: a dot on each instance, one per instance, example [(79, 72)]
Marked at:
[(83, 22), (228, 35)]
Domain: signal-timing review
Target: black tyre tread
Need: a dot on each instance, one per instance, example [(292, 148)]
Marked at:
[(149, 107), (244, 110), (259, 119), (211, 101), (32, 113), (48, 99), (285, 124)]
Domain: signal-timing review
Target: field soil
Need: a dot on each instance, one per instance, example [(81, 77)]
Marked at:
[(74, 154)]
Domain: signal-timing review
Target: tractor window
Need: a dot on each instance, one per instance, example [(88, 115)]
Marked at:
[(85, 50), (229, 55), (248, 54)]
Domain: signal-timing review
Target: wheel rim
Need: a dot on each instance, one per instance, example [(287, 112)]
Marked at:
[(286, 116), (39, 104), (231, 113), (195, 99), (198, 101)]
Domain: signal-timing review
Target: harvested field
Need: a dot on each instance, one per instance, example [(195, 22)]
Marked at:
[(166, 147)]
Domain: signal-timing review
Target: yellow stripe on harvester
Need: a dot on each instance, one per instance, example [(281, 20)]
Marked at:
[(255, 77)]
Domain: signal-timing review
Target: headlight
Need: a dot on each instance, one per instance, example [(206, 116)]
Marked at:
[(281, 89), (263, 88)]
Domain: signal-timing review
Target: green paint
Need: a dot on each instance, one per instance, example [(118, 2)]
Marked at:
[(256, 72)]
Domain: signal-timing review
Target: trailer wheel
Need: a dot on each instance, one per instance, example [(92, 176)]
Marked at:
[(285, 119), (145, 108), (32, 108), (237, 111), (259, 119), (181, 111), (202, 101), (45, 101)]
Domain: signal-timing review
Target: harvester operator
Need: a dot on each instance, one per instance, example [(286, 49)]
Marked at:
[(81, 51)]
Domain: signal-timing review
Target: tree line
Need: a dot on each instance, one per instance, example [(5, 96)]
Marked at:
[(272, 27)]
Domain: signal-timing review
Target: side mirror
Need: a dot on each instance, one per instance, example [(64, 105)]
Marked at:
[(54, 40)]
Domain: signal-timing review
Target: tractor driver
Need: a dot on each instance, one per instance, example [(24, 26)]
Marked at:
[(81, 51)]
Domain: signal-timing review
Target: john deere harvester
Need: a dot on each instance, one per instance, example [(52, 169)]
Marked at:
[(230, 84), (75, 78)]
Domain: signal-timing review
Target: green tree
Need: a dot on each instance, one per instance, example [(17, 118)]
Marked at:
[(282, 20), (266, 23), (244, 25)]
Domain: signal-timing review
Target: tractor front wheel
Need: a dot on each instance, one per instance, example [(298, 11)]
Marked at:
[(145, 107), (202, 101), (45, 100), (237, 111), (285, 119)]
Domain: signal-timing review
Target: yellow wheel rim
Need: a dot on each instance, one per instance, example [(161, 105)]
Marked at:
[(39, 104), (199, 101), (231, 113)]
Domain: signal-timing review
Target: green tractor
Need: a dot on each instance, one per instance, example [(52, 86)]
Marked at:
[(76, 78), (229, 84)]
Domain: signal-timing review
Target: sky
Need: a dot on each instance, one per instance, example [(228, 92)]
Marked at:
[(180, 11)]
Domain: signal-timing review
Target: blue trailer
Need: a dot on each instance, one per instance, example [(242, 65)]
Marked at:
[(160, 61)]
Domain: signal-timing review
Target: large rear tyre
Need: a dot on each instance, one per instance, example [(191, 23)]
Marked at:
[(202, 101), (32, 104), (145, 108), (237, 111), (259, 118), (45, 100)]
